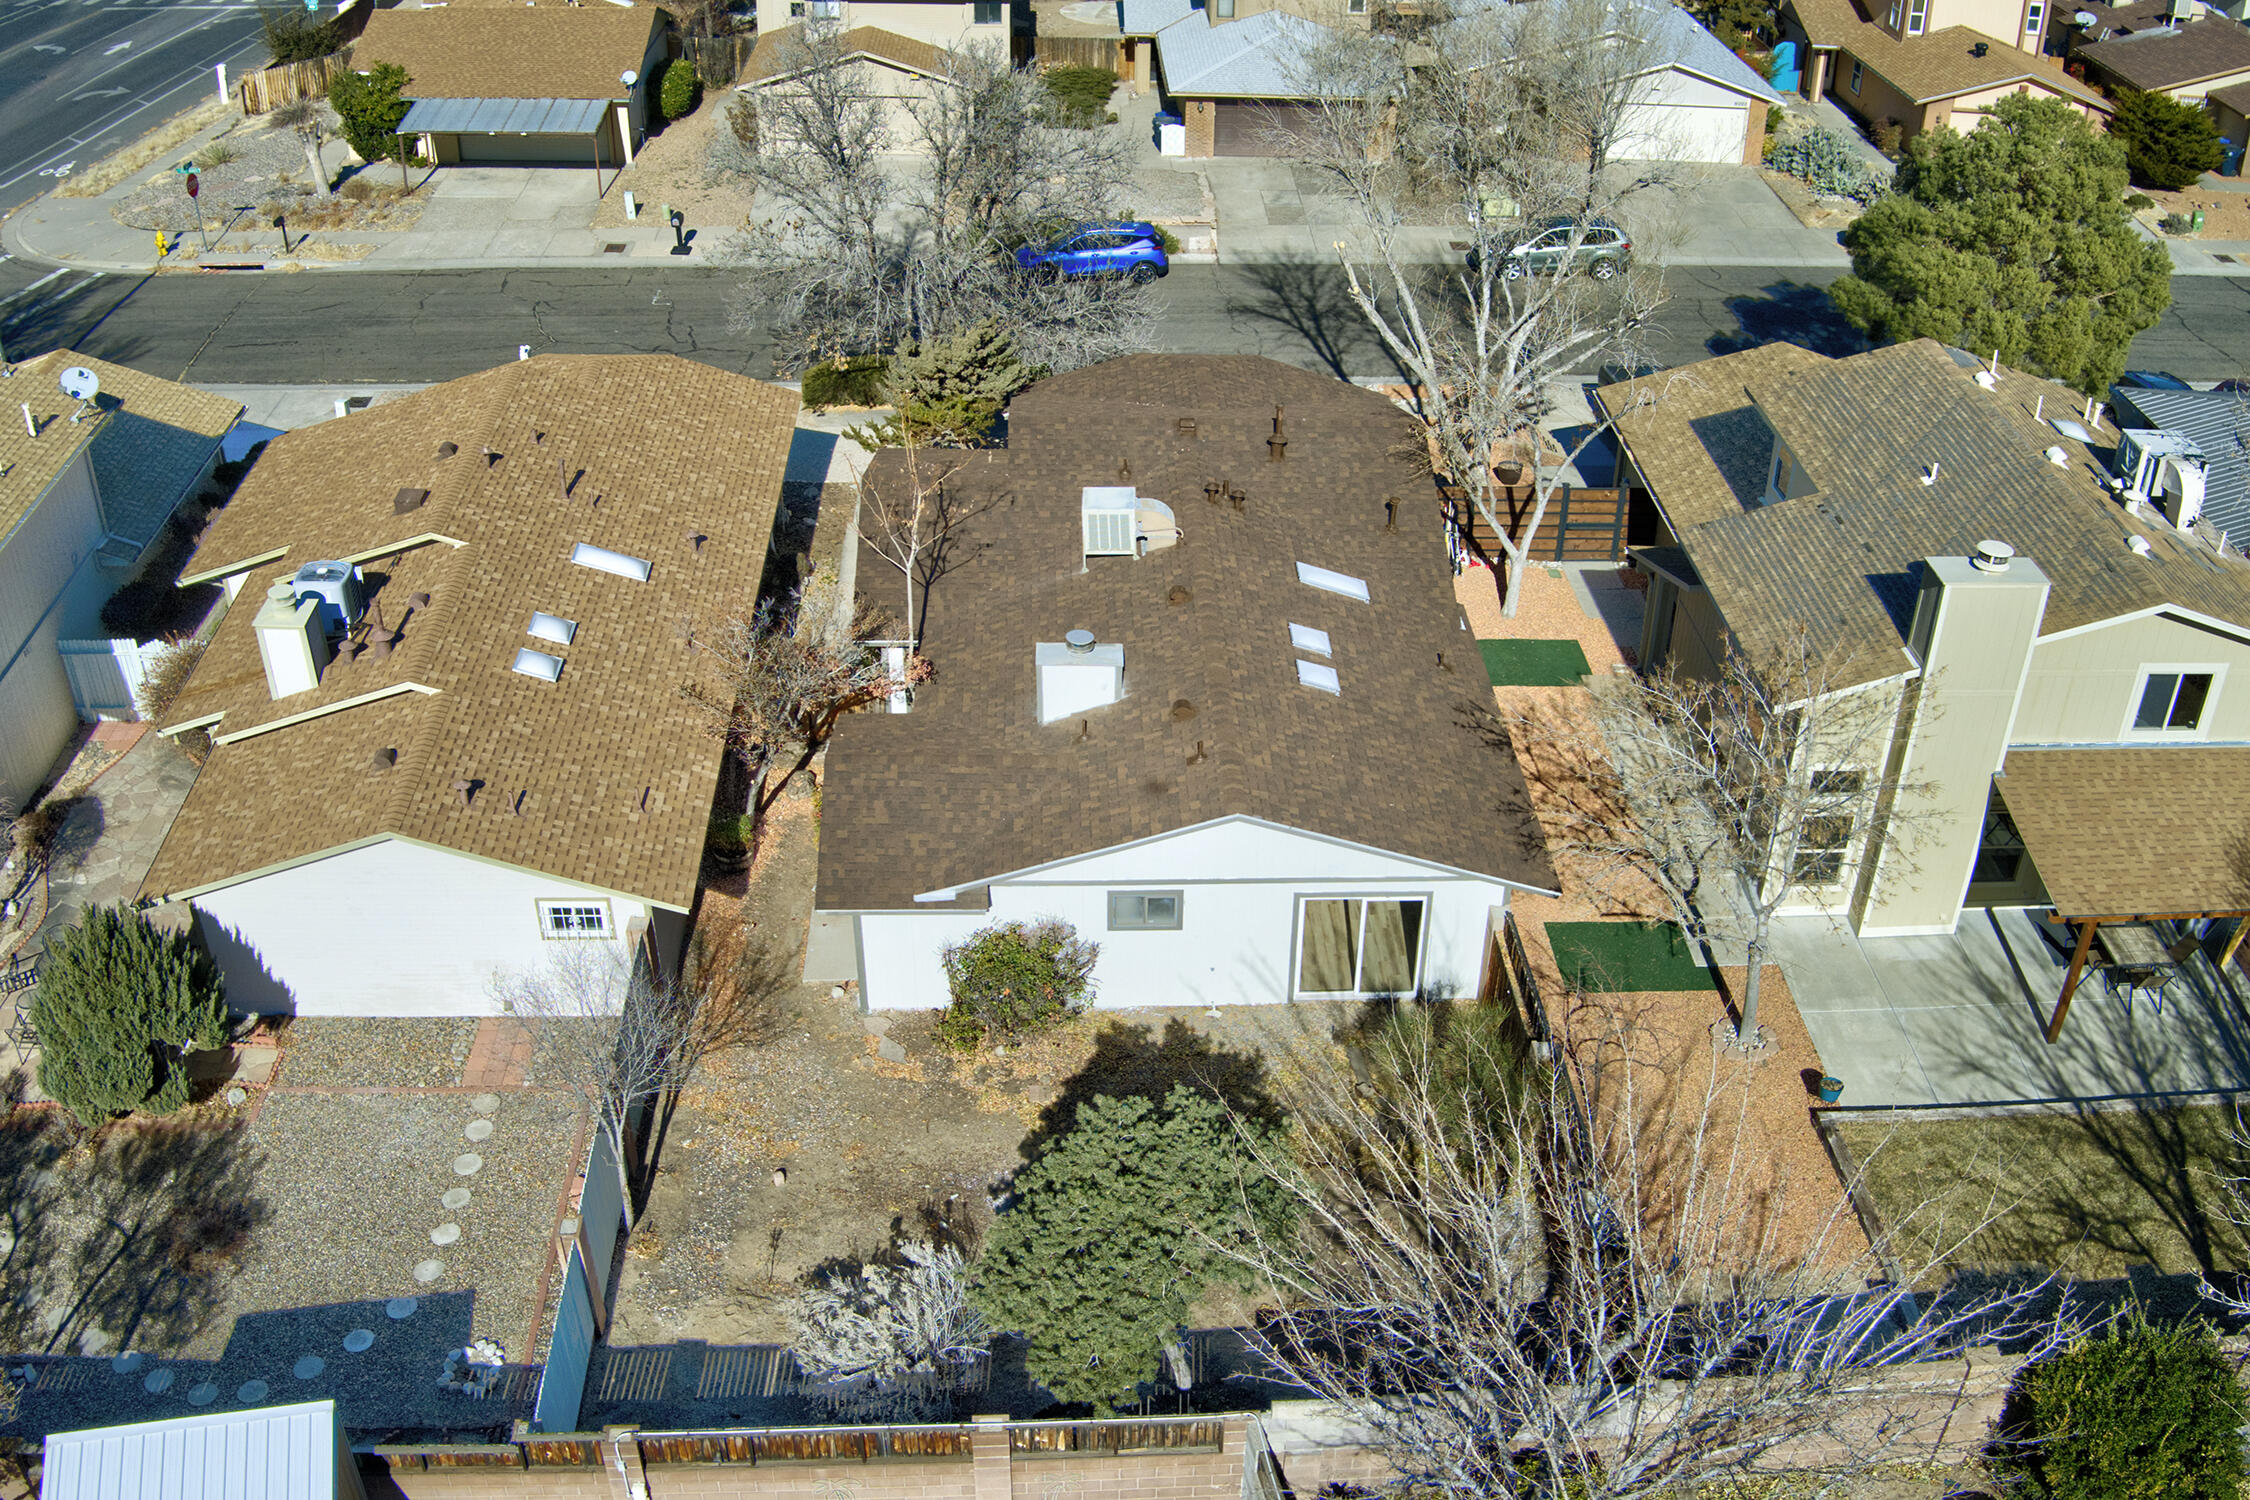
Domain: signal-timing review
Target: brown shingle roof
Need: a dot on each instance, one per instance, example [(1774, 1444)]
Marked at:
[(771, 59), (1843, 561), (969, 785), (2133, 832), (2235, 96), (2166, 57), (1702, 434), (601, 777), (1936, 65), (511, 52)]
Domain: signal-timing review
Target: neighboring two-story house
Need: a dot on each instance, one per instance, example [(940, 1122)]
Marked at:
[(1201, 689), (895, 48), (86, 488), (1919, 64), (448, 737), (2032, 594)]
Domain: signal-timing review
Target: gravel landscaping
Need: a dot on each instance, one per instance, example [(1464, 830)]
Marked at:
[(266, 172), (332, 1052)]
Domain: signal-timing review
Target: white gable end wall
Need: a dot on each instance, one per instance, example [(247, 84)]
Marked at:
[(391, 929), (1240, 886)]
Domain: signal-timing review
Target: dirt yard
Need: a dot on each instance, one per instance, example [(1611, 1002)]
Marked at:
[(669, 170), (2226, 216)]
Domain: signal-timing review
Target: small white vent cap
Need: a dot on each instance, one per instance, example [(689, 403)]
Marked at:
[(1992, 556)]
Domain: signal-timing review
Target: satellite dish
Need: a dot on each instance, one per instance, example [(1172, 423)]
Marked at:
[(80, 383), (2086, 18), (628, 78)]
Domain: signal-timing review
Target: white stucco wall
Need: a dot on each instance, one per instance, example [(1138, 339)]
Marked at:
[(1240, 885), (392, 929), (38, 562)]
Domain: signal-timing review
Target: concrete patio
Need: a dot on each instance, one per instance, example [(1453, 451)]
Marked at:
[(1960, 1019)]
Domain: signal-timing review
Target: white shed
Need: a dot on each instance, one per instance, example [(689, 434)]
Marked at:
[(276, 1453)]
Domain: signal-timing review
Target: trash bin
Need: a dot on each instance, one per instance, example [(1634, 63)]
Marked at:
[(1831, 1088), (2195, 221), (1171, 134)]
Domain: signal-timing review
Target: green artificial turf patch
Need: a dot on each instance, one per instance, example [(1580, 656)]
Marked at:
[(1533, 663), (1626, 957)]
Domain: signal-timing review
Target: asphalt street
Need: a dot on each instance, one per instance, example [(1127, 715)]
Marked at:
[(80, 78), (342, 327)]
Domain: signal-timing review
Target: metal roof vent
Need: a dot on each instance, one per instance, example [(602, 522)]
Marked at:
[(2058, 458), (1078, 642), (382, 761), (447, 450), (1109, 519), (1992, 557), (602, 560), (2137, 544), (408, 499), (537, 664)]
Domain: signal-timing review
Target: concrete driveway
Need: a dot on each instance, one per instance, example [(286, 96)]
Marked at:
[(1960, 1019), (502, 214)]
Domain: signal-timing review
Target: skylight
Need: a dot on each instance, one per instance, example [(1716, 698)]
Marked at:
[(1305, 638), (2070, 429), (552, 628), (601, 559), (1313, 675), (547, 668), (1334, 583)]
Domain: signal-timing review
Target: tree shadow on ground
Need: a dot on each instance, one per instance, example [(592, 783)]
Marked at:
[(1132, 1062), (1311, 302), (1793, 312), (122, 1238)]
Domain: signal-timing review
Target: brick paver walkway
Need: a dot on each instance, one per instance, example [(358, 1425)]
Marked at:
[(500, 1057)]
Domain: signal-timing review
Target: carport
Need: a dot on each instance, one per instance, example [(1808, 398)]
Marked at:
[(514, 131)]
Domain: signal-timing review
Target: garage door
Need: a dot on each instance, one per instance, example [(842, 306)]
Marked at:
[(1684, 132), (1249, 128), (570, 150)]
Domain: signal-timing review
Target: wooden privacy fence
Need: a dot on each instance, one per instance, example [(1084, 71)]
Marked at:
[(719, 60), (1075, 52), (1581, 525), (268, 89)]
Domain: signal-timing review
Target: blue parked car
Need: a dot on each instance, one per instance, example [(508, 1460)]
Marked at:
[(1133, 250)]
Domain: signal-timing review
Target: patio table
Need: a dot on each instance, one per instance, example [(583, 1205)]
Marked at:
[(2139, 962)]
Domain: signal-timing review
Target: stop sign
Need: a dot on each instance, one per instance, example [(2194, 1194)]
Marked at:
[(194, 184)]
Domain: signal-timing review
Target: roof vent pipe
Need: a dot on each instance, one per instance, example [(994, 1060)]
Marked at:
[(1929, 475), (1277, 446), (1992, 556), (1079, 641), (2138, 545)]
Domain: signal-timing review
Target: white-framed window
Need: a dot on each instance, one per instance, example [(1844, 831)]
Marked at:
[(1144, 911), (575, 917), (2173, 701), (1360, 945), (2034, 17), (1824, 839), (990, 13), (1893, 21), (1917, 15), (1855, 75), (1355, 7)]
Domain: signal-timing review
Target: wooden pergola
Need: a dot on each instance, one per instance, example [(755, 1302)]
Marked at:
[(2133, 835)]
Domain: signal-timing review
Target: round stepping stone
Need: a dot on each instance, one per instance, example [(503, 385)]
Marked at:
[(310, 1367), (455, 1198), (203, 1395), (485, 1104), (468, 1164), (238, 1097), (429, 1270), (478, 1130), (358, 1341), (445, 1234), (158, 1382), (401, 1308), (127, 1363), (250, 1392)]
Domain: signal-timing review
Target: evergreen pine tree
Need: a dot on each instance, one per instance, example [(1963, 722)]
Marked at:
[(117, 1003), (949, 389), (2169, 143), (1097, 1260)]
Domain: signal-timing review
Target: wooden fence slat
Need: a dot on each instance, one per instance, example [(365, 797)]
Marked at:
[(1075, 52), (1581, 525), (268, 89)]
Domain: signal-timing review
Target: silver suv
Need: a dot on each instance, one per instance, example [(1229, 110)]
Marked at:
[(1545, 249)]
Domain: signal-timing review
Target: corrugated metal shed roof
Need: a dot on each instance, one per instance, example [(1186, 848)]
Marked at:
[(279, 1453), (504, 117)]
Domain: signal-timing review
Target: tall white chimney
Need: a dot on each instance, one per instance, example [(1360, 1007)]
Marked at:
[(292, 643)]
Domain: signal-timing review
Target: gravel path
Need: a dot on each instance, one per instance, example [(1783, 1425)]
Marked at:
[(376, 1052)]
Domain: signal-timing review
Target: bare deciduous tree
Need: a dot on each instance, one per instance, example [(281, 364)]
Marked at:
[(304, 117), (779, 681), (1508, 119), (613, 1034), (1733, 796), (862, 251), (897, 1340), (1481, 1284)]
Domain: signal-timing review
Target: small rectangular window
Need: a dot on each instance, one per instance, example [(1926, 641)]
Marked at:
[(991, 13), (1144, 911), (1820, 850), (1333, 582), (2172, 702), (1313, 675), (1305, 638), (1917, 12), (574, 919), (2032, 17), (1855, 66)]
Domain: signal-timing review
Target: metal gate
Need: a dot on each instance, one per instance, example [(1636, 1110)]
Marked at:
[(105, 675), (562, 1384)]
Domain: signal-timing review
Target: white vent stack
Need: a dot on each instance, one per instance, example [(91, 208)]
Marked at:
[(1077, 674), (1117, 522), (1991, 556), (1986, 379), (2137, 545), (2165, 468), (2057, 457), (292, 642)]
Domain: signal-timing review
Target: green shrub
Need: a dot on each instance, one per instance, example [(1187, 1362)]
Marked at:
[(2176, 224), (1166, 238), (118, 1003), (1119, 1224), (1775, 114), (2138, 201), (1080, 95), (681, 91), (2169, 143), (1012, 978), (294, 34), (2136, 1413), (858, 381), (1826, 163)]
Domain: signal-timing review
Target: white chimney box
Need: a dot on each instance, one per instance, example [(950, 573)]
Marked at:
[(1077, 674), (292, 643)]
